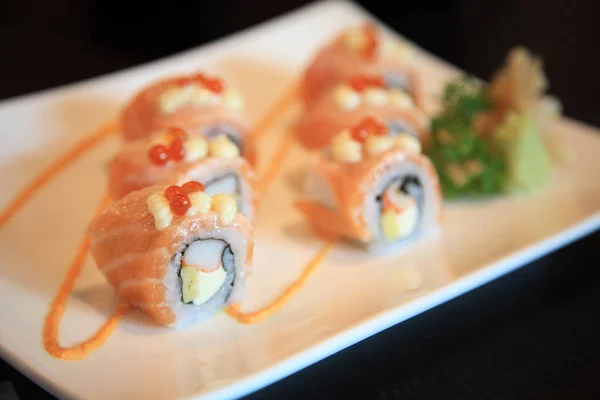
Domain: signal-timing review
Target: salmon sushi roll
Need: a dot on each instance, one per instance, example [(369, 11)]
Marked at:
[(175, 252), (350, 102), (372, 188), (197, 103), (173, 157), (360, 50)]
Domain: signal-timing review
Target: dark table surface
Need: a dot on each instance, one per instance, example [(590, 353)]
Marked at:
[(530, 334)]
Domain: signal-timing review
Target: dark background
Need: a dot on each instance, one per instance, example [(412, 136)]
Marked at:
[(531, 334)]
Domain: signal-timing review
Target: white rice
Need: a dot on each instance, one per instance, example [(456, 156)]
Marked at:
[(231, 291)]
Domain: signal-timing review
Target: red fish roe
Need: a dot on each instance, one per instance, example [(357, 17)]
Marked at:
[(362, 82), (182, 81), (367, 127), (192, 186), (158, 154), (179, 204), (172, 191), (176, 150), (359, 134), (213, 84)]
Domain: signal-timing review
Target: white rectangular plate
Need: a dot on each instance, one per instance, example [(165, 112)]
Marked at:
[(351, 297)]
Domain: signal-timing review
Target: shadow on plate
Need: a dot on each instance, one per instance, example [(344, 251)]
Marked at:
[(101, 297), (301, 233), (257, 79)]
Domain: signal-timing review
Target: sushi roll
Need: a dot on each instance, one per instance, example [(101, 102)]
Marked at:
[(351, 101), (372, 188), (175, 252), (198, 103), (173, 157), (360, 50)]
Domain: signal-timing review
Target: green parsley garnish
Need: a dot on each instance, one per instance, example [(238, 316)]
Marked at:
[(467, 163)]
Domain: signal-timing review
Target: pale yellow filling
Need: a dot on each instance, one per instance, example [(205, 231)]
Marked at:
[(158, 206), (224, 204), (399, 225), (349, 99), (196, 148), (197, 286), (223, 147), (345, 149)]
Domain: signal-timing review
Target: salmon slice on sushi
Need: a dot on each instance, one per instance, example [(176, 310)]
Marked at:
[(198, 103), (349, 102), (372, 188), (174, 157), (361, 50), (175, 252)]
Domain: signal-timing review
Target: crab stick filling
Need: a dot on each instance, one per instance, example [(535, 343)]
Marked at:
[(373, 91), (189, 199), (202, 272), (369, 138), (200, 91), (368, 43)]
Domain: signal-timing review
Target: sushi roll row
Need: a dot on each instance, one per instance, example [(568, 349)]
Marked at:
[(362, 73), (214, 162), (364, 118), (361, 96), (177, 241), (362, 50)]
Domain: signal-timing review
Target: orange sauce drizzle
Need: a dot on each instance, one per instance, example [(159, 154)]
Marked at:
[(276, 162), (281, 106), (234, 311), (57, 310), (86, 144), (58, 307), (47, 174), (253, 317)]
